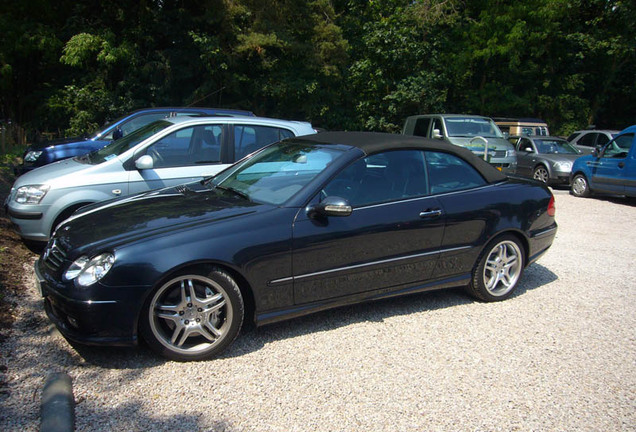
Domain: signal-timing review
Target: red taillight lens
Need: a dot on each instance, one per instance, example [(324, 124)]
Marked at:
[(551, 207)]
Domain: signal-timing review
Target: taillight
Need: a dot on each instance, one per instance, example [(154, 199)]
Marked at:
[(551, 207)]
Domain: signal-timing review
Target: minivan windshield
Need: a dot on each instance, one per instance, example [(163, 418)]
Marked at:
[(554, 146), (471, 127), (123, 144)]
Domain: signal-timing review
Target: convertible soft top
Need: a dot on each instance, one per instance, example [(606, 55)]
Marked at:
[(375, 142)]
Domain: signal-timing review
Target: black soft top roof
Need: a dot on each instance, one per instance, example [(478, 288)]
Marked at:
[(375, 142)]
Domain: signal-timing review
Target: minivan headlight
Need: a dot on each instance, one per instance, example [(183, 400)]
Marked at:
[(88, 271), (511, 153), (32, 156), (31, 194)]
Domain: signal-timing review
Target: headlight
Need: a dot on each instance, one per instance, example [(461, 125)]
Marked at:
[(511, 153), (31, 194), (32, 156), (563, 166), (87, 272)]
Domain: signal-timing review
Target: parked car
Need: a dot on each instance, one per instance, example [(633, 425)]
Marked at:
[(546, 159), (303, 225), (612, 169), (476, 133), (163, 153), (522, 126), (588, 140), (46, 152)]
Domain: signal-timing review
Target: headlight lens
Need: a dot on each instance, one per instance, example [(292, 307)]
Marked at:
[(563, 166), (32, 156), (87, 272), (511, 153), (31, 194)]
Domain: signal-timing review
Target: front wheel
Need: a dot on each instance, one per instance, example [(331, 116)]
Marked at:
[(541, 174), (193, 316), (498, 269), (580, 187)]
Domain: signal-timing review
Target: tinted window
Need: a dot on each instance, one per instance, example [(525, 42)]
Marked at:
[(448, 173), (574, 135), (421, 127), (380, 178), (602, 140), (126, 143), (588, 140), (249, 138)]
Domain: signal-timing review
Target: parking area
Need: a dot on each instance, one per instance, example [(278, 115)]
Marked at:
[(559, 355)]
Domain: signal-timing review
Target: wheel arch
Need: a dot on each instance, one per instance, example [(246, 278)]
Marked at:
[(520, 235), (66, 212)]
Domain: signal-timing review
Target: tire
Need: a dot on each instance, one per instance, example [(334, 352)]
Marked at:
[(541, 174), (193, 316), (498, 269), (580, 187)]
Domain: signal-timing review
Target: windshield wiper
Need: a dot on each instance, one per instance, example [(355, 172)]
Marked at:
[(234, 191)]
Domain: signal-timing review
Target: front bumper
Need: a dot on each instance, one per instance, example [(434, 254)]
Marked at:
[(28, 221), (86, 321)]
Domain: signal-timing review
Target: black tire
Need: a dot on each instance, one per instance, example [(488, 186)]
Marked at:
[(193, 316), (498, 269), (541, 174), (580, 186)]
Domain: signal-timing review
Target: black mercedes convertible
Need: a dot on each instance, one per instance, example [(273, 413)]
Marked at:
[(303, 225)]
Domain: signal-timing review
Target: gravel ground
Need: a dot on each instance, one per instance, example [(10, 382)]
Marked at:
[(559, 355)]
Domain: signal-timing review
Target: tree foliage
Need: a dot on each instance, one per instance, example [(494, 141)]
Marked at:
[(67, 67)]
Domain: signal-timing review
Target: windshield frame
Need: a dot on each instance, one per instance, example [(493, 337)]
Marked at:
[(561, 143)]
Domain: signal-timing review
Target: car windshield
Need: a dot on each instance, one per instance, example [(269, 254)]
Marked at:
[(99, 133), (470, 127), (278, 172), (124, 144), (554, 147)]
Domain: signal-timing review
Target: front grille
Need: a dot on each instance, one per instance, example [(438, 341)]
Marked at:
[(54, 255), (497, 153)]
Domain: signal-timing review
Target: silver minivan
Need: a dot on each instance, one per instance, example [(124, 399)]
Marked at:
[(477, 133), (163, 153)]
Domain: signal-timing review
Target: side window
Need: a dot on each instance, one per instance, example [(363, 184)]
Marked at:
[(134, 124), (602, 140), (382, 177), (587, 140), (249, 138), (187, 146), (524, 145), (619, 147), (421, 127), (574, 135), (448, 173)]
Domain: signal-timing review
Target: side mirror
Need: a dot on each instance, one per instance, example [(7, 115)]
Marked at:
[(437, 134), (144, 162), (528, 149), (117, 133), (596, 151), (506, 135), (331, 206)]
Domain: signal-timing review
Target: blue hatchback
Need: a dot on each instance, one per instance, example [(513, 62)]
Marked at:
[(38, 155), (609, 169)]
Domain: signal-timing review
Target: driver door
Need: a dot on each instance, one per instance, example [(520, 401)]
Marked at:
[(610, 169)]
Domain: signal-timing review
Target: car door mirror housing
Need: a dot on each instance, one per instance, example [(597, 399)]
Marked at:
[(595, 152), (144, 162), (331, 206), (437, 134)]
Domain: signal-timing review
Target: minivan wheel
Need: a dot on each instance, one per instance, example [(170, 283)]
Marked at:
[(580, 187), (498, 269), (193, 316), (541, 174)]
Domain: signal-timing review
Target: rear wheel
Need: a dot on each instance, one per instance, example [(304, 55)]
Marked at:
[(498, 269), (580, 187), (541, 174), (193, 316)]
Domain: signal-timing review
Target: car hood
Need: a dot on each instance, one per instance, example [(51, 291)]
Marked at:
[(47, 174), (109, 224), (478, 144)]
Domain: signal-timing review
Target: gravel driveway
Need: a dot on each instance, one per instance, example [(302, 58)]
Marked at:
[(559, 355)]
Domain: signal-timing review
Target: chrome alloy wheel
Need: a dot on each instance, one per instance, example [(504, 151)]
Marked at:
[(541, 174), (503, 268), (190, 314)]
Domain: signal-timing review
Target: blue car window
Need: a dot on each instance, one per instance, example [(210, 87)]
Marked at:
[(619, 147)]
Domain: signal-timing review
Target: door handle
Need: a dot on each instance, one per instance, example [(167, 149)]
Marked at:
[(621, 164), (430, 214)]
